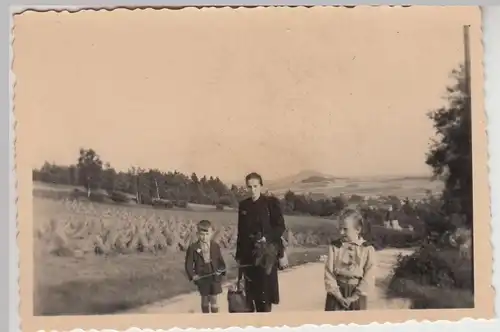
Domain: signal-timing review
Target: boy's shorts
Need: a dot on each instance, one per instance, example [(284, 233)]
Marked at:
[(208, 287)]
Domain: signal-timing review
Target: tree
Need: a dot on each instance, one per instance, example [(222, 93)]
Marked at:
[(89, 170), (289, 201), (450, 155), (340, 202), (194, 178), (109, 178)]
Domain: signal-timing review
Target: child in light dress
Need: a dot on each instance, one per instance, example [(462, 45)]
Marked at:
[(349, 267)]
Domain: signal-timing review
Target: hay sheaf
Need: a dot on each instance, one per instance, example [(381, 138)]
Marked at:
[(83, 228)]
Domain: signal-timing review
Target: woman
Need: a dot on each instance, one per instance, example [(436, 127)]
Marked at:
[(260, 227)]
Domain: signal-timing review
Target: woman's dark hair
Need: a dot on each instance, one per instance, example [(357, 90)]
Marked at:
[(254, 175)]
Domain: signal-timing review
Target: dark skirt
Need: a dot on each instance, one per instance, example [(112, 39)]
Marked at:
[(261, 287), (209, 284), (331, 303)]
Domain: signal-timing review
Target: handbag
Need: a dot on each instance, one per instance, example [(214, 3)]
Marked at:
[(283, 260), (236, 297), (281, 250)]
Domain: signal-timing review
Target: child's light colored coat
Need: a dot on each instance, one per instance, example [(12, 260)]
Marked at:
[(351, 262)]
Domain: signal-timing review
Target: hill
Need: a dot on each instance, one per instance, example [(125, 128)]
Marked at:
[(320, 184), (302, 177)]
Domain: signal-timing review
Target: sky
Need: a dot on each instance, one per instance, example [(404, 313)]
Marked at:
[(225, 92)]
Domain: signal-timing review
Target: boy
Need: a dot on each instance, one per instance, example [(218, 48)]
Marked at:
[(205, 265)]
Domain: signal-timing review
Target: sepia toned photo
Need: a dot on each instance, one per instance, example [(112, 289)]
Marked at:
[(264, 166)]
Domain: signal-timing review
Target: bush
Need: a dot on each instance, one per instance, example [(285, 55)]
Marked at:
[(181, 204), (435, 267), (434, 277), (383, 237), (98, 197), (162, 203), (118, 197)]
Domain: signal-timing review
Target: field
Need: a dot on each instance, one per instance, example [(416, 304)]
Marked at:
[(319, 184), (86, 253), (412, 188)]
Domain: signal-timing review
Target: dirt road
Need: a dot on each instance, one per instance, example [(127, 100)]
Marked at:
[(294, 297)]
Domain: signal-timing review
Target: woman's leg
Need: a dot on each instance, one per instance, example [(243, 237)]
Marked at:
[(263, 306), (205, 304)]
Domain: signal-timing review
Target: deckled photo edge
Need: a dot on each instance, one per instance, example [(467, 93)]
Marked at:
[(479, 151)]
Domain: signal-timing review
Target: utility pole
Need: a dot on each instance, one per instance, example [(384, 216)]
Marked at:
[(467, 65), (157, 190), (468, 117)]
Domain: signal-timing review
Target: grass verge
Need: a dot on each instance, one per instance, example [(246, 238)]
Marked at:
[(105, 285), (432, 297)]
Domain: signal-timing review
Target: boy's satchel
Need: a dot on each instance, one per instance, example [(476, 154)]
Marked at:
[(236, 298)]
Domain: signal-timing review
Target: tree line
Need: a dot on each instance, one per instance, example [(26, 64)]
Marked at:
[(145, 185)]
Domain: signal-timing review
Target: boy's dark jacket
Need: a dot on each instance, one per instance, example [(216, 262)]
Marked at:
[(194, 263)]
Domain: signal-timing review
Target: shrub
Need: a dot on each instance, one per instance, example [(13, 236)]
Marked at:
[(181, 204), (434, 277), (162, 203), (118, 197), (433, 266), (99, 197)]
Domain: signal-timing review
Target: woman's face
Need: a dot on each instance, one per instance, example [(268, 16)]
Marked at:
[(349, 230), (254, 187)]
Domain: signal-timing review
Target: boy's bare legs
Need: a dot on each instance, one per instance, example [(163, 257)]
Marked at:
[(214, 307), (205, 304)]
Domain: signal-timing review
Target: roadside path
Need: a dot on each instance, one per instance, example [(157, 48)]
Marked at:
[(301, 289)]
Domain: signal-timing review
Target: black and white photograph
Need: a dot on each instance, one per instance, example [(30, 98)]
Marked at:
[(231, 162)]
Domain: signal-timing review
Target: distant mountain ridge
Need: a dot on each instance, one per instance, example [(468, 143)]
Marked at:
[(317, 183), (305, 176)]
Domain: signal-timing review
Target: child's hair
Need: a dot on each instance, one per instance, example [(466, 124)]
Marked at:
[(356, 215), (204, 225), (254, 175)]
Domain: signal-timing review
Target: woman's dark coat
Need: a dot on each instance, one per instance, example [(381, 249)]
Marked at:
[(262, 218)]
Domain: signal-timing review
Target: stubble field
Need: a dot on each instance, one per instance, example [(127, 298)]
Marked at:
[(95, 258)]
